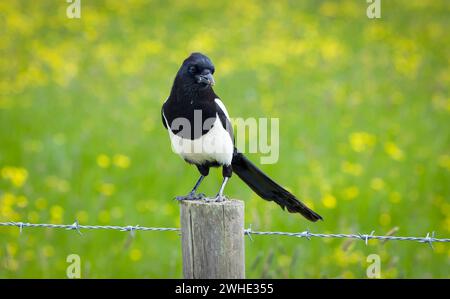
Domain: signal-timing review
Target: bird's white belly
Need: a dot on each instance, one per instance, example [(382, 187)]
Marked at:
[(214, 146)]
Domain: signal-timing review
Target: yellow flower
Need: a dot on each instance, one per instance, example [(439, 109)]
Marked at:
[(393, 151), (8, 199), (351, 168), (121, 161), (6, 209), (107, 189), (329, 9), (329, 201), (16, 175), (135, 255), (103, 161), (11, 249), (361, 141), (56, 213), (407, 57), (202, 42), (226, 66), (22, 201), (351, 192), (331, 49), (344, 258), (377, 184), (395, 197), (150, 47)]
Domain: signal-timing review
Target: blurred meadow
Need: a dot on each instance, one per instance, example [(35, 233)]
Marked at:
[(364, 131)]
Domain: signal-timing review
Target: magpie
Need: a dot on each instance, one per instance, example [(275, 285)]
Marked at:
[(201, 133)]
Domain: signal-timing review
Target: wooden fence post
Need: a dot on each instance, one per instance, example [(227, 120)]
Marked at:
[(212, 237)]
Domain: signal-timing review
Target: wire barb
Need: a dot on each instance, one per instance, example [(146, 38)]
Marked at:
[(366, 237), (20, 225), (248, 232), (75, 226), (131, 229), (429, 240), (306, 234)]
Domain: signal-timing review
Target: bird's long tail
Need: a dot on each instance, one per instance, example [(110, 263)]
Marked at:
[(267, 189)]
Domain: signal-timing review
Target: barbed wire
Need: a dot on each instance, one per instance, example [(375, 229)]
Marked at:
[(428, 239)]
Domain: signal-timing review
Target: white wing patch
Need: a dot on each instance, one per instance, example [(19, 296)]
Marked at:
[(222, 106), (165, 119)]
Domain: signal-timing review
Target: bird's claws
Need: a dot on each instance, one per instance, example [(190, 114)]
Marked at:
[(201, 196), (218, 198), (191, 196)]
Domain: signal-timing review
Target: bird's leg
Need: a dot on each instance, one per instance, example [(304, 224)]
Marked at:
[(227, 171), (219, 197), (192, 195)]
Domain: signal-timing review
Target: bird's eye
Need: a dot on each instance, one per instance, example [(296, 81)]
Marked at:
[(192, 69)]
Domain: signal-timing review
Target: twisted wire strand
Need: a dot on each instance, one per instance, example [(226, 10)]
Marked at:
[(429, 238)]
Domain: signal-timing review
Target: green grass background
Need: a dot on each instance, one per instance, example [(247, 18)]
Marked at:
[(364, 128)]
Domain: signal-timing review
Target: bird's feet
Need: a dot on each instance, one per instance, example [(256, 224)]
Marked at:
[(191, 196), (218, 198)]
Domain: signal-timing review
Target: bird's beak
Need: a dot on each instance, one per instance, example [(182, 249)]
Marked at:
[(207, 79)]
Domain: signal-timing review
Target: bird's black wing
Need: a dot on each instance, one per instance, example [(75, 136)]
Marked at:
[(268, 189)]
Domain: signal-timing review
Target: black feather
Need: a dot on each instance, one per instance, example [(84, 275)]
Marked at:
[(267, 189)]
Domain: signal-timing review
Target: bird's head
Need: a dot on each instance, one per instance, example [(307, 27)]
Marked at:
[(197, 71)]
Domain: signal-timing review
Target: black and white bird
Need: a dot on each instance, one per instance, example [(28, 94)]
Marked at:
[(201, 133)]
